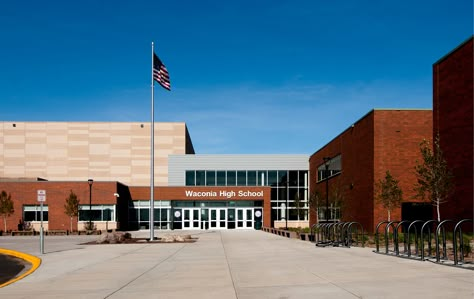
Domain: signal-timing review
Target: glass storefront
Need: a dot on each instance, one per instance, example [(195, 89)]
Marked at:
[(187, 215), (289, 188)]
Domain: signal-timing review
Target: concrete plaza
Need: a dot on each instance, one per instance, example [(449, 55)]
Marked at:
[(226, 264)]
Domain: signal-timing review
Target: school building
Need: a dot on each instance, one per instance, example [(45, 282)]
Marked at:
[(107, 165)]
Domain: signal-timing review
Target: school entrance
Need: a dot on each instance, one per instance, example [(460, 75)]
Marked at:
[(217, 215)]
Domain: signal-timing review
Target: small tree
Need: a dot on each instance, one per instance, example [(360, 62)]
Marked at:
[(314, 202), (434, 180), (71, 207), (6, 206), (336, 198), (389, 193)]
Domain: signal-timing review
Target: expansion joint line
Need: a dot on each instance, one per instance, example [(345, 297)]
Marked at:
[(228, 266), (153, 267), (336, 285)]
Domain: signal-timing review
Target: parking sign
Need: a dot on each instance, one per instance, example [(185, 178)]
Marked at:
[(41, 195)]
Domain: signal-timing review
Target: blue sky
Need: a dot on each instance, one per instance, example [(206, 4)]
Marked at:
[(246, 76)]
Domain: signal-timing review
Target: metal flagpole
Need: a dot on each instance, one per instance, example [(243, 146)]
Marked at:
[(152, 160)]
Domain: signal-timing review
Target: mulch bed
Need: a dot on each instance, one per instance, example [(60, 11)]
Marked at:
[(141, 241)]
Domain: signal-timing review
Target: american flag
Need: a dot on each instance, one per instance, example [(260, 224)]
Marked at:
[(160, 73)]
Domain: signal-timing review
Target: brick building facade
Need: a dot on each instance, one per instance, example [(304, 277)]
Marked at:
[(119, 199), (453, 120), (381, 140)]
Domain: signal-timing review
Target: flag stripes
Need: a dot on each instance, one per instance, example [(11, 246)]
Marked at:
[(160, 73)]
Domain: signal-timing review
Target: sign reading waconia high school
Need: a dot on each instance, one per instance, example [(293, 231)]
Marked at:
[(223, 193)]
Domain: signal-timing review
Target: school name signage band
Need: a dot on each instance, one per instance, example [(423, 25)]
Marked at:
[(223, 193)]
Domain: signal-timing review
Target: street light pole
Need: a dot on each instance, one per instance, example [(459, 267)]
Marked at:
[(286, 213), (90, 181), (327, 161)]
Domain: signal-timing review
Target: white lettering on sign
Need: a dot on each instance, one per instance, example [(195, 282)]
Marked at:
[(41, 195), (228, 194), (250, 193), (224, 193), (191, 193)]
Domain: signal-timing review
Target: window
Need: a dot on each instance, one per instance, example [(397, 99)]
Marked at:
[(334, 167), (282, 178), (251, 178), (210, 178), (190, 178), (220, 178), (231, 178), (241, 178), (293, 178), (33, 213), (272, 178), (334, 214), (97, 213), (200, 178), (261, 178)]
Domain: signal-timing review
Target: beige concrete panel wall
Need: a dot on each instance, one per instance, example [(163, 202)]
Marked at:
[(82, 150)]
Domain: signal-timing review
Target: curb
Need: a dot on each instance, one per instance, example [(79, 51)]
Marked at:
[(35, 263)]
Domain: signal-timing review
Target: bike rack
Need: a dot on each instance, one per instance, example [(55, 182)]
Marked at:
[(395, 237), (413, 223), (387, 227), (337, 233), (314, 227), (425, 234), (349, 233), (441, 225), (429, 238), (461, 241)]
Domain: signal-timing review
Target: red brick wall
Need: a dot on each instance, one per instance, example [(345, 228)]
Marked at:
[(380, 141), (397, 136), (356, 148), (25, 193), (453, 119)]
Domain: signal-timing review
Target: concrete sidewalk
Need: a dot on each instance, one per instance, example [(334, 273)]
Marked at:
[(227, 264)]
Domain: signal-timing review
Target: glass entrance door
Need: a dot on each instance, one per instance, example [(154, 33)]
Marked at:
[(217, 218), (244, 217), (191, 218)]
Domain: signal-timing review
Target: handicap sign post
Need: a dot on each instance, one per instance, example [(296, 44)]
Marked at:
[(41, 199)]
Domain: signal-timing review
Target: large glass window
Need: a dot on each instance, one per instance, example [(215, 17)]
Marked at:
[(220, 178), (231, 178), (241, 178), (210, 178), (97, 213), (190, 178), (293, 178), (200, 178), (333, 168), (33, 213), (272, 178), (282, 178), (251, 178), (286, 184), (139, 214)]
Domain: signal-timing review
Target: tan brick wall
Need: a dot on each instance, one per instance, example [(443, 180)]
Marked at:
[(103, 151)]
